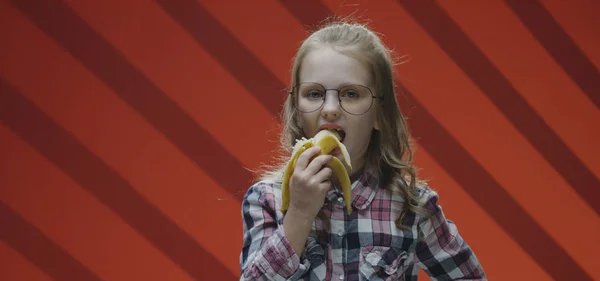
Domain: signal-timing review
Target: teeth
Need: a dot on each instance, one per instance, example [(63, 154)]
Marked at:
[(328, 141)]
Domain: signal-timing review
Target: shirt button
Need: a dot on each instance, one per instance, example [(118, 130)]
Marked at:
[(340, 233), (340, 199), (342, 277)]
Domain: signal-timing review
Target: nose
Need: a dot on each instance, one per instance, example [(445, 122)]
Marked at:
[(331, 107)]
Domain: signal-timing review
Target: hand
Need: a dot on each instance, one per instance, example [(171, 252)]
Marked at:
[(309, 183)]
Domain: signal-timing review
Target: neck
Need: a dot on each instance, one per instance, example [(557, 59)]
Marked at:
[(358, 166)]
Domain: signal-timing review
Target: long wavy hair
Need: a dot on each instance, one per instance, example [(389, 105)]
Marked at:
[(389, 153)]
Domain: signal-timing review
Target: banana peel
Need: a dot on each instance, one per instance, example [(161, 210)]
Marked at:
[(328, 140)]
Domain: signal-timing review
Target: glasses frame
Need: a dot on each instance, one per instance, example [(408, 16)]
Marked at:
[(296, 88)]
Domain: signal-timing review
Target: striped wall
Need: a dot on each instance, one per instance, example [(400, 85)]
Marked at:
[(128, 129)]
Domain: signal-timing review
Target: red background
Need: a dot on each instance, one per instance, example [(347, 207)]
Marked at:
[(127, 129)]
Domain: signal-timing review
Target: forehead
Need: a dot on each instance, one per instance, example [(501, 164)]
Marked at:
[(331, 68)]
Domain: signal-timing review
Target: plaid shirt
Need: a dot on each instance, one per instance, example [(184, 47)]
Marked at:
[(363, 246)]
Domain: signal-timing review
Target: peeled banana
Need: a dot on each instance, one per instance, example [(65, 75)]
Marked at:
[(328, 140)]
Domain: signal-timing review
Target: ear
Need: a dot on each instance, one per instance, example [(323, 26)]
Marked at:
[(376, 126)]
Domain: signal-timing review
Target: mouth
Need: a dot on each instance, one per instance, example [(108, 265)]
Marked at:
[(339, 132)]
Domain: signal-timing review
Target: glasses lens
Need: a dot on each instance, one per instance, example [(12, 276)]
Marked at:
[(356, 99), (310, 97)]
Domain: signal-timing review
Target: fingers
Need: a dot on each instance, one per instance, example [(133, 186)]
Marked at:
[(325, 186), (313, 172), (305, 157), (317, 164), (323, 175)]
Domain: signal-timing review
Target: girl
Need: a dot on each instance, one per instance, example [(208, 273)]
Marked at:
[(342, 79)]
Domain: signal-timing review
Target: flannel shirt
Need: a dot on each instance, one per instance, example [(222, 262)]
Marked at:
[(363, 246)]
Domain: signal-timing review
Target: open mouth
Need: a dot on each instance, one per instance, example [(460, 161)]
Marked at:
[(341, 133)]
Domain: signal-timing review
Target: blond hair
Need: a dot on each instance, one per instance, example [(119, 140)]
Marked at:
[(389, 153)]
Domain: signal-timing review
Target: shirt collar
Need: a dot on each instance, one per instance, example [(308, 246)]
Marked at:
[(364, 186)]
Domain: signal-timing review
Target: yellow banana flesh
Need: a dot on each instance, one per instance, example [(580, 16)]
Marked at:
[(328, 141)]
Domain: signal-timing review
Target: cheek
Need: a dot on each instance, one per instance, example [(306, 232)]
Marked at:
[(307, 122), (363, 131)]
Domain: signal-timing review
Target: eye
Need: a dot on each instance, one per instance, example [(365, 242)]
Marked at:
[(314, 94), (350, 94)]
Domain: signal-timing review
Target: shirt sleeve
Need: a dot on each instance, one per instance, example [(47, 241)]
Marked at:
[(266, 252), (442, 252)]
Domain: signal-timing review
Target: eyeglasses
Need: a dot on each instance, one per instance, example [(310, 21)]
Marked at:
[(354, 99)]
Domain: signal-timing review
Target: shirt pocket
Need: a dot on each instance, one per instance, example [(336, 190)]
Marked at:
[(383, 263)]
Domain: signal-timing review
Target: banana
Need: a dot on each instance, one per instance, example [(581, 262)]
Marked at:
[(328, 140)]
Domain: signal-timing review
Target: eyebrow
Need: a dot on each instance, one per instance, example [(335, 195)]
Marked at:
[(339, 86)]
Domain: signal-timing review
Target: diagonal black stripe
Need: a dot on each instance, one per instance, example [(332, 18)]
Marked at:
[(228, 51), (89, 171), (491, 197), (60, 22), (560, 46), (40, 250), (310, 13), (476, 181), (448, 35)]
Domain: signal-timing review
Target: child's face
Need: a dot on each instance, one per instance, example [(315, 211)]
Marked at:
[(332, 70)]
